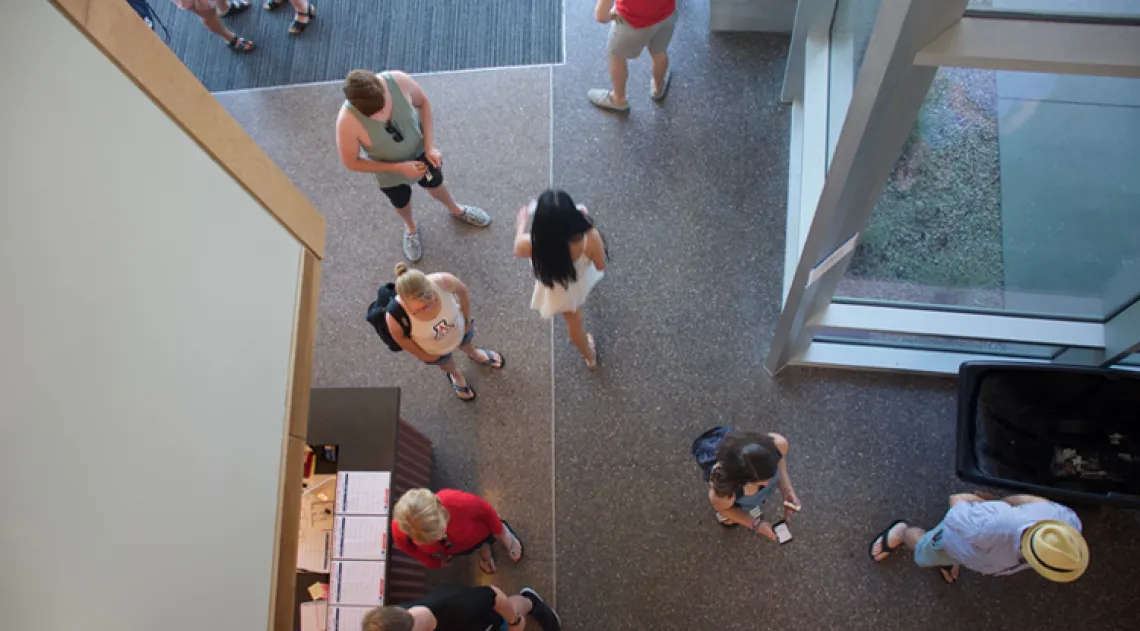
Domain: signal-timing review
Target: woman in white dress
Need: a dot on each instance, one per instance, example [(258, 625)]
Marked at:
[(568, 255), (438, 322)]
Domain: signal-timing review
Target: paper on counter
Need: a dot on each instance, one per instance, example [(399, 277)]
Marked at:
[(362, 492), (346, 618), (314, 551), (314, 615), (360, 537), (357, 583)]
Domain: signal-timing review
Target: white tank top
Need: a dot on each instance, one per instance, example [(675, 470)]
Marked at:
[(443, 333)]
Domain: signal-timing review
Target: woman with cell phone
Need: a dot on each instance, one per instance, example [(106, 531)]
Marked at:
[(743, 470)]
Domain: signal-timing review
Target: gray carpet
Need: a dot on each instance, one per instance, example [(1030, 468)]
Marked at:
[(410, 35)]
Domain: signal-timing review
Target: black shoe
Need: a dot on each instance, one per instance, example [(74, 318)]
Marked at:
[(547, 618)]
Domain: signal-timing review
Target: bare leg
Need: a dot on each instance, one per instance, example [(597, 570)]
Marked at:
[(441, 194), (575, 325), (619, 74), (522, 606), (474, 353), (486, 561), (213, 22), (451, 368), (405, 213), (660, 67)]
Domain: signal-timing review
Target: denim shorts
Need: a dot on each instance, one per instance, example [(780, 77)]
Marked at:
[(929, 552), (470, 333)]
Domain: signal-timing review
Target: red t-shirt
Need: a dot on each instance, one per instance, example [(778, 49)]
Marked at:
[(472, 521), (643, 13)]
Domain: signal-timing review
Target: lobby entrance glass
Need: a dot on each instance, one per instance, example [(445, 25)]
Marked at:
[(960, 188)]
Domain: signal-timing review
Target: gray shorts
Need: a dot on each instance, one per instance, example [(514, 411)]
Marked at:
[(626, 41)]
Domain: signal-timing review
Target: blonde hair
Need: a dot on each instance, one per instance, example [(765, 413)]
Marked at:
[(412, 284), (421, 516), (388, 619)]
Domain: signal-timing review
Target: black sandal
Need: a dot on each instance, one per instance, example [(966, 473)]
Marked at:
[(494, 359), (272, 5), (522, 548), (461, 390), (885, 536), (236, 7), (241, 44), (298, 27)]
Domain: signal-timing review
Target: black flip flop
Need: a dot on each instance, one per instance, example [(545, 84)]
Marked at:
[(461, 389), (492, 357), (236, 7), (297, 27), (885, 536), (522, 548)]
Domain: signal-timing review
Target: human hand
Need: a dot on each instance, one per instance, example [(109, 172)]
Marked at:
[(616, 17), (412, 169), (433, 156), (765, 529), (790, 498)]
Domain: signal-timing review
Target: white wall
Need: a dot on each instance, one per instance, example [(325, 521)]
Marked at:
[(146, 314)]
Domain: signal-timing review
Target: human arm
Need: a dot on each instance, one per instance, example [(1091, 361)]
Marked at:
[(726, 507), (406, 343), (405, 545), (504, 608), (420, 101), (786, 488), (596, 249), (1018, 500), (522, 236), (604, 11), (453, 285), (964, 498)]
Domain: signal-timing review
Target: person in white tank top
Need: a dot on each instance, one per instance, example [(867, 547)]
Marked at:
[(439, 312), (569, 258)]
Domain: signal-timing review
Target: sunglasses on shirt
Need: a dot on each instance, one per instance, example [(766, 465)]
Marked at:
[(394, 131)]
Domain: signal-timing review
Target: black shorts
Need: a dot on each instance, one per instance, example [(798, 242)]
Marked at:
[(401, 195)]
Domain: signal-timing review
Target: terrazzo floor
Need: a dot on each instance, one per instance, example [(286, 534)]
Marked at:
[(593, 469)]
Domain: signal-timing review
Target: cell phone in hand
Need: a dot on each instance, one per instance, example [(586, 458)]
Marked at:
[(783, 533)]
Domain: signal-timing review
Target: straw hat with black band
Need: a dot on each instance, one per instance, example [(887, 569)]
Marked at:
[(1056, 550)]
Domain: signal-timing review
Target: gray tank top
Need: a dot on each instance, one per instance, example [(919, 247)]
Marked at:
[(383, 147)]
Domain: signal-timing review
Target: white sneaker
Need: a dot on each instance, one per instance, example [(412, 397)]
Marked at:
[(604, 99), (658, 92)]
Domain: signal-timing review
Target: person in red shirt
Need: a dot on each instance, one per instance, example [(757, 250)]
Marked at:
[(433, 528), (634, 26)]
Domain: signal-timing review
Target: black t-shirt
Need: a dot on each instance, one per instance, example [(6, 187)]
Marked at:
[(461, 608)]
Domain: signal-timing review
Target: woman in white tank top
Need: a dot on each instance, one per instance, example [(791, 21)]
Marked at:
[(439, 315), (569, 258)]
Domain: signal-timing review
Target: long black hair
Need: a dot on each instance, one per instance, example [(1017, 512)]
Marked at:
[(743, 458), (557, 223)]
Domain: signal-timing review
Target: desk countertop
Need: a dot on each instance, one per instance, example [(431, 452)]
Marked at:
[(363, 423)]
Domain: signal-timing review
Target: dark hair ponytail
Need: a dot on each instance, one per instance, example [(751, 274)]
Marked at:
[(743, 458)]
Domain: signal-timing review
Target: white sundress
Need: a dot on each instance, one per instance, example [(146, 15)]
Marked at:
[(550, 301)]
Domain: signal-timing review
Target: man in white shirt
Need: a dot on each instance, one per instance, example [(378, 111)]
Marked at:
[(995, 537)]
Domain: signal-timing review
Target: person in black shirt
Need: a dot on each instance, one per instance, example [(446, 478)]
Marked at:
[(465, 609)]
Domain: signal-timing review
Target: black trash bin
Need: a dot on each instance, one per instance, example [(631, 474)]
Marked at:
[(1068, 433)]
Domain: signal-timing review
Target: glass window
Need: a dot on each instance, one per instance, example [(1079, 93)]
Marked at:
[(850, 35), (1060, 8), (1016, 193)]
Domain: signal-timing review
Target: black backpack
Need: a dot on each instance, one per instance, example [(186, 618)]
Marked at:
[(705, 446), (386, 304)]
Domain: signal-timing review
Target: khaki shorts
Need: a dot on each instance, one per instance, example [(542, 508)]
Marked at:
[(626, 41)]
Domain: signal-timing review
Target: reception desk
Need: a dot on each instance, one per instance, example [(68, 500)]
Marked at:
[(365, 425)]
